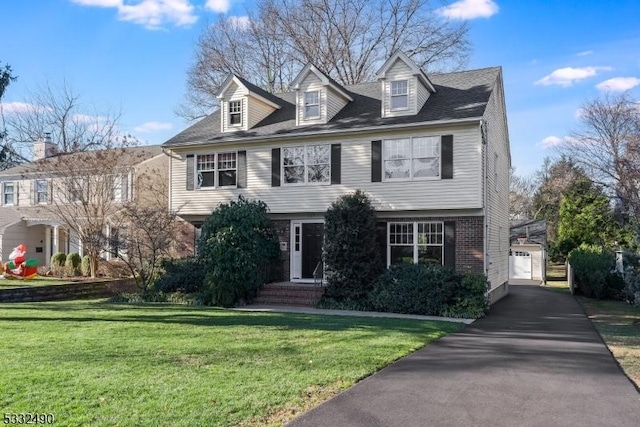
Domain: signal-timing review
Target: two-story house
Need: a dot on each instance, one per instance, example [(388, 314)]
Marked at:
[(33, 195), (431, 151)]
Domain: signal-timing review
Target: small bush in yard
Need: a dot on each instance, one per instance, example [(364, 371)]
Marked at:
[(593, 267), (237, 246), (85, 266), (72, 264), (470, 300), (413, 289), (185, 275), (351, 251), (58, 261)]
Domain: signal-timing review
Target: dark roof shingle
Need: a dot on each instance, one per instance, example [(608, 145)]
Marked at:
[(459, 95)]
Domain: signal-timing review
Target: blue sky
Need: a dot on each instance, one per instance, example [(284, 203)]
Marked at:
[(133, 55)]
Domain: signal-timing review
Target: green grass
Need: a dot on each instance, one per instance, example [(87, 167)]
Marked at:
[(98, 364), (619, 326), (37, 281), (557, 277)]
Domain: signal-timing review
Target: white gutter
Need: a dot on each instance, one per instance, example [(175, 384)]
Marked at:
[(471, 120)]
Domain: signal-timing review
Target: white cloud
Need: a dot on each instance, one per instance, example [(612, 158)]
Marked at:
[(551, 141), (220, 6), (241, 22), (469, 9), (619, 84), (150, 127), (585, 53), (18, 107), (152, 14), (565, 77)]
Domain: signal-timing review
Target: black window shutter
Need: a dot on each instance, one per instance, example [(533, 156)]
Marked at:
[(381, 235), (242, 170), (376, 161), (336, 163), (275, 167), (447, 156), (450, 244), (190, 171)]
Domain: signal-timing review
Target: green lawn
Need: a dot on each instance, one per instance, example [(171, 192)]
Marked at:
[(98, 364), (619, 326), (557, 277)]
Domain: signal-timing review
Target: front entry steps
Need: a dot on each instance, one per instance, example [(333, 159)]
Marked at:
[(289, 293)]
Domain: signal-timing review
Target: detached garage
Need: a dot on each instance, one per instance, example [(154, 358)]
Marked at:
[(527, 254)]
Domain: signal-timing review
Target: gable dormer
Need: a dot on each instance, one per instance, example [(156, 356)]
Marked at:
[(318, 97), (405, 87), (243, 104)]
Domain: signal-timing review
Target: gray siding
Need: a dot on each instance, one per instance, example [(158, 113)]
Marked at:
[(461, 192), (497, 209)]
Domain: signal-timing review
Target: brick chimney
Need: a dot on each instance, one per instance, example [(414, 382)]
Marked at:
[(44, 147)]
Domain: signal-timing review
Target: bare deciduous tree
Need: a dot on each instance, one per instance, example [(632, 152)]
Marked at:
[(60, 112), (607, 147), (149, 231), (346, 39), (8, 155), (521, 192)]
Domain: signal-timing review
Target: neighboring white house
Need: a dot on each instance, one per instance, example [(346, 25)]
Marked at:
[(27, 193), (528, 252), (431, 151)]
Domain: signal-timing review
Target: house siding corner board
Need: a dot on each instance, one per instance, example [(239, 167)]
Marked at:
[(461, 192), (497, 190)]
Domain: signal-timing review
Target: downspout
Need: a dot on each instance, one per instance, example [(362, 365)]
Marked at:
[(485, 196)]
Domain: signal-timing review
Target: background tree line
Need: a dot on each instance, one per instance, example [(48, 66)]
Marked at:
[(588, 193)]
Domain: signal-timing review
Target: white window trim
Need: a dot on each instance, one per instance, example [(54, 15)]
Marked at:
[(415, 239), (392, 95), (304, 105), (237, 125), (411, 177), (36, 192), (14, 184), (306, 165), (215, 170)]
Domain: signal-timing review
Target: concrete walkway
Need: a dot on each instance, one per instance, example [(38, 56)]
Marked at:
[(536, 360)]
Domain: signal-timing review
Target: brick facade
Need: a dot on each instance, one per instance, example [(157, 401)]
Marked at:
[(469, 241), (283, 230)]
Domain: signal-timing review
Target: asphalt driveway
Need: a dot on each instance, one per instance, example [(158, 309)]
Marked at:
[(536, 360)]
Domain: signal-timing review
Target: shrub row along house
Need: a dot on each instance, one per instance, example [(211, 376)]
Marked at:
[(431, 151)]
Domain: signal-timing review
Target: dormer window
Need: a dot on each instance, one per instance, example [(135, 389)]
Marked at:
[(399, 95), (235, 113), (312, 105)]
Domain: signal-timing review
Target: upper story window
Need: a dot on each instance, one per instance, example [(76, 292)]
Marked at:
[(78, 190), (119, 188), (312, 105), (411, 158), (216, 170), (399, 95), (415, 242), (42, 192), (235, 113), (304, 165), (9, 193)]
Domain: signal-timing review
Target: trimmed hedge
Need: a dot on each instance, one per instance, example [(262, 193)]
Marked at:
[(593, 268), (181, 275), (72, 264)]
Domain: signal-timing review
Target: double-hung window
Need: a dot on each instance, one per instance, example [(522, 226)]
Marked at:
[(78, 189), (41, 191), (399, 95), (412, 158), (415, 242), (216, 170), (9, 193), (235, 113), (312, 105), (304, 165)]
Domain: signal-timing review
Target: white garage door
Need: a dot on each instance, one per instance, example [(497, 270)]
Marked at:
[(520, 265)]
